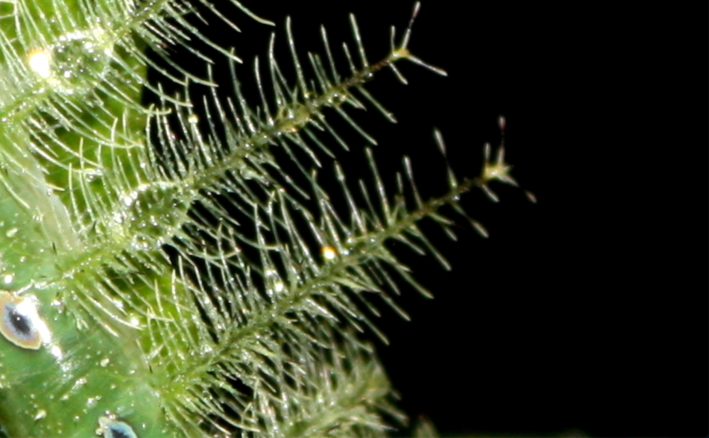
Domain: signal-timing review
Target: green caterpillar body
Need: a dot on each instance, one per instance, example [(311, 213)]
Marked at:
[(159, 275), (76, 376)]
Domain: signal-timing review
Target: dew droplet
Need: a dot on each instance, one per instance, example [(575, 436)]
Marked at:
[(328, 252), (82, 53), (11, 232), (278, 286), (92, 401), (39, 61), (76, 62), (92, 174), (247, 173)]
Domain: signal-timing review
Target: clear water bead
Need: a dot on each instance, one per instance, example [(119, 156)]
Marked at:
[(82, 58), (76, 62)]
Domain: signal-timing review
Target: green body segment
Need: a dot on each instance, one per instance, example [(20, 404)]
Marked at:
[(78, 374), (65, 387), (82, 371)]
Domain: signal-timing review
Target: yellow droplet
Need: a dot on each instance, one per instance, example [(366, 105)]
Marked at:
[(328, 252)]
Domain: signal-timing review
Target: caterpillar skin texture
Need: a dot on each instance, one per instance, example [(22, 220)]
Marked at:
[(61, 382), (70, 370)]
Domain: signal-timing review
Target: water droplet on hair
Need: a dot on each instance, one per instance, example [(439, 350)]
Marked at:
[(75, 62)]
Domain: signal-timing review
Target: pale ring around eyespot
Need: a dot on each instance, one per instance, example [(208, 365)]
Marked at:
[(19, 322)]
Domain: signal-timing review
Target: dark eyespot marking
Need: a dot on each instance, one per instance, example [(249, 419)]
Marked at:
[(18, 321), (109, 427)]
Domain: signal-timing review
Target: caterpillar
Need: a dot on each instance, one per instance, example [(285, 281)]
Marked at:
[(161, 274)]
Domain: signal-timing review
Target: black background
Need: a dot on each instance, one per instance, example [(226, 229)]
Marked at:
[(586, 312)]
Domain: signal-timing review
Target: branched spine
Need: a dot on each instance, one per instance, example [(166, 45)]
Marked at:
[(140, 258)]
